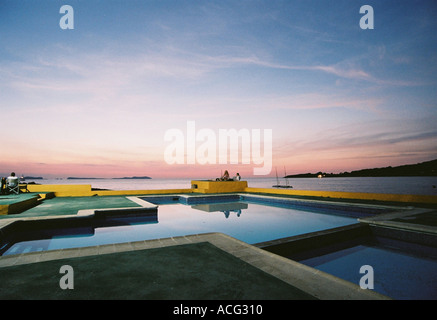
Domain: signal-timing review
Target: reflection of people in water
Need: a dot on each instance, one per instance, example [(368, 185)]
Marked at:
[(228, 212)]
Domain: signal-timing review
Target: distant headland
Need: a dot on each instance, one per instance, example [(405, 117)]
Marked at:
[(423, 169)]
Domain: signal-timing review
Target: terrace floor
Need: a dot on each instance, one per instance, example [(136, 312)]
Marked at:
[(208, 266)]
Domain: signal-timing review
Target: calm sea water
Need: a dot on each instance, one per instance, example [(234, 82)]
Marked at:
[(395, 185)]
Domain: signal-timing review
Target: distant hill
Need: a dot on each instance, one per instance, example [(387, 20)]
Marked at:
[(428, 168)]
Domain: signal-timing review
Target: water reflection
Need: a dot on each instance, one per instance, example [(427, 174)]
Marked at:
[(228, 212), (225, 208)]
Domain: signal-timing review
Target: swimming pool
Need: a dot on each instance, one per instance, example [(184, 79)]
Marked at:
[(399, 269), (397, 273), (251, 219)]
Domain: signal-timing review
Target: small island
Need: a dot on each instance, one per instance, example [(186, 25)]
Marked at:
[(423, 169)]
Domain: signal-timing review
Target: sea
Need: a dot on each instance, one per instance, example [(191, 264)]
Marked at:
[(391, 185)]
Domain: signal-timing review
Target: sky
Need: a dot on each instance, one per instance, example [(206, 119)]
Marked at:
[(98, 100)]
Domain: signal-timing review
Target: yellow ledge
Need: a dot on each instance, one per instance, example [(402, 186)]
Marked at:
[(205, 186), (84, 190), (349, 195), (138, 192), (4, 209), (62, 190), (18, 206)]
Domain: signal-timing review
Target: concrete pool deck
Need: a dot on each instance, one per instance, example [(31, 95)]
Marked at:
[(220, 268), (205, 266)]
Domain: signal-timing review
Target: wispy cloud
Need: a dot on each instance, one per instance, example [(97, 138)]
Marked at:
[(343, 72), (316, 100), (384, 137), (103, 75)]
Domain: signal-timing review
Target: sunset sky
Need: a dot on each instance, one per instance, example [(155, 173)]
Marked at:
[(97, 100)]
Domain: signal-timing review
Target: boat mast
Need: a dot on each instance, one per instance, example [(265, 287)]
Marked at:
[(286, 179)]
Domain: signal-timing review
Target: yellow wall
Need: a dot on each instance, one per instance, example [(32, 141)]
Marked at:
[(18, 206), (4, 208), (62, 190), (349, 195), (77, 190), (227, 187), (200, 186), (138, 192)]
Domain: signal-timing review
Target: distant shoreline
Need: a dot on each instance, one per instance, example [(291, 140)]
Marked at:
[(424, 169), (328, 175)]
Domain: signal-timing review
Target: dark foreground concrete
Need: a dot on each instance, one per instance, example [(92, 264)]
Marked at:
[(192, 271)]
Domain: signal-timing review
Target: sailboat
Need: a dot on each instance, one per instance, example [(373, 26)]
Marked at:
[(287, 185)]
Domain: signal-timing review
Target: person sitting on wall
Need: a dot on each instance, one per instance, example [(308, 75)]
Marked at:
[(225, 176), (12, 180), (237, 177)]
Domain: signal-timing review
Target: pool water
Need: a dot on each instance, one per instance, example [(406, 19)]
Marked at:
[(400, 270), (249, 222)]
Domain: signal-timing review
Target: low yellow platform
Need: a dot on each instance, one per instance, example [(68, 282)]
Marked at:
[(208, 186)]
